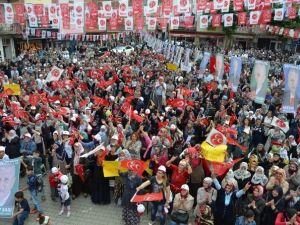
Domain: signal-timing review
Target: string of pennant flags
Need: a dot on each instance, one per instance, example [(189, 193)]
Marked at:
[(79, 17)]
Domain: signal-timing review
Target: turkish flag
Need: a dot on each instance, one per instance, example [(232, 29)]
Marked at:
[(162, 124), (242, 18), (266, 16), (128, 90), (137, 117), (222, 168), (186, 92), (138, 166), (216, 20), (33, 99), (167, 6), (212, 64), (234, 142), (149, 197), (176, 103), (21, 113), (216, 138), (292, 11), (80, 171), (225, 130), (83, 103), (100, 101)]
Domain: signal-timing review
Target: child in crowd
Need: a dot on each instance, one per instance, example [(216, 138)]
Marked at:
[(54, 181), (44, 220), (64, 195), (247, 219), (23, 209)]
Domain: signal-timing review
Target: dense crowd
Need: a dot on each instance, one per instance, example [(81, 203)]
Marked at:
[(62, 120)]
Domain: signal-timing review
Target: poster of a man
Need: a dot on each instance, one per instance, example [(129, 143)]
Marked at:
[(259, 81), (235, 72), (291, 89), (219, 66), (9, 182)]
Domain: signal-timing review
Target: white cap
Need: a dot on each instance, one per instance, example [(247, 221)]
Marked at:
[(140, 208), (57, 102), (87, 108), (147, 111), (185, 187), (135, 112), (2, 149), (37, 116), (66, 133), (168, 108), (55, 132), (208, 180), (32, 107), (115, 136), (64, 179), (112, 98), (54, 170), (141, 98), (27, 135), (173, 127), (162, 168)]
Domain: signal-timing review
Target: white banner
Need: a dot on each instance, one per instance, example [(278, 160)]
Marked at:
[(218, 4), (32, 21), (107, 8), (52, 11), (29, 9), (174, 23), (184, 6), (123, 8), (226, 5), (254, 17), (79, 14), (251, 4), (278, 14), (228, 20), (152, 23), (54, 74), (8, 13), (203, 22), (152, 6), (102, 24), (128, 23)]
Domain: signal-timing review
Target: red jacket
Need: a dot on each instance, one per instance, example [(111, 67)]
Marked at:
[(280, 220), (53, 183)]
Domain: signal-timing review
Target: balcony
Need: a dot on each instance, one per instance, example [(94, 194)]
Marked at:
[(12, 29)]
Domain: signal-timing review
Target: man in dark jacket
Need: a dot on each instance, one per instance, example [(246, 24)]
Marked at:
[(12, 144)]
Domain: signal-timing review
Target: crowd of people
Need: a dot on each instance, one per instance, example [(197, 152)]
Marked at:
[(59, 121)]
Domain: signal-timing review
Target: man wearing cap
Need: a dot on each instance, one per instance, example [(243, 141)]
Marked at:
[(28, 146), (3, 156)]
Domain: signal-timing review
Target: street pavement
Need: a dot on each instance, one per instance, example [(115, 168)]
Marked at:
[(83, 212)]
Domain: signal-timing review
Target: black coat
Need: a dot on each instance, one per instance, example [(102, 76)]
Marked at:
[(13, 148)]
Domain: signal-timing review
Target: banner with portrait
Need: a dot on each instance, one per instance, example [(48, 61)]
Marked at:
[(185, 63), (291, 88), (235, 72), (9, 185), (259, 81), (204, 61), (219, 67)]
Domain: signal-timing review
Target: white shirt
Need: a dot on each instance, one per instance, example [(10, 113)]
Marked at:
[(63, 192), (5, 157)]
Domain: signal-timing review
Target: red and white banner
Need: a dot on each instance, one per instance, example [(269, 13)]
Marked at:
[(167, 7), (163, 22), (203, 21), (52, 11), (137, 7), (184, 6), (266, 16), (79, 14), (238, 5), (8, 13), (29, 9), (283, 125), (242, 18), (228, 19), (226, 5), (218, 4), (54, 74), (102, 24), (107, 8), (55, 22), (20, 13), (222, 168), (137, 166), (32, 21), (251, 4), (188, 21), (123, 8), (149, 197), (254, 17), (152, 6), (128, 23), (292, 13), (278, 14), (44, 21), (152, 23), (174, 23), (216, 20), (216, 138), (200, 5), (38, 9), (139, 22)]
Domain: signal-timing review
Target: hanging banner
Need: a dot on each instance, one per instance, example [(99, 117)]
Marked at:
[(52, 11), (152, 6), (226, 5), (44, 21), (163, 22), (251, 4), (152, 23), (91, 17), (9, 175), (216, 20), (235, 72), (107, 8), (79, 15), (137, 7), (228, 20), (204, 61), (200, 5), (292, 13), (242, 18), (188, 22), (184, 6), (8, 13), (291, 88), (259, 81), (216, 154), (167, 6), (20, 13), (218, 4), (38, 10), (254, 17), (174, 23), (102, 24), (238, 5), (185, 64), (219, 67), (55, 23), (32, 21), (123, 7), (203, 21), (128, 23), (278, 14), (29, 9), (266, 16), (139, 23)]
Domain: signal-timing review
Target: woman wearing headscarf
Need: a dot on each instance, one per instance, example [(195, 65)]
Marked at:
[(278, 179), (134, 145), (242, 175), (259, 177), (274, 205), (289, 217), (229, 177), (253, 163), (255, 202), (224, 210), (206, 196), (159, 183), (292, 173), (131, 182)]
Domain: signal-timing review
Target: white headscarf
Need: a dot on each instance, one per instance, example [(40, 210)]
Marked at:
[(242, 173), (259, 177)]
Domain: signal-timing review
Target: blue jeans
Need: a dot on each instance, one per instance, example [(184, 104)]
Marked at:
[(36, 201), (174, 223), (158, 208), (19, 220)]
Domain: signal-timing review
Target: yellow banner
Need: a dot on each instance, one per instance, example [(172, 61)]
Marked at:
[(171, 66), (216, 154), (15, 88), (110, 168)]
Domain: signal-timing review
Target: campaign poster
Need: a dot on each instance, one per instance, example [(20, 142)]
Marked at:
[(204, 61), (235, 72), (291, 88), (219, 67), (9, 185), (259, 81)]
